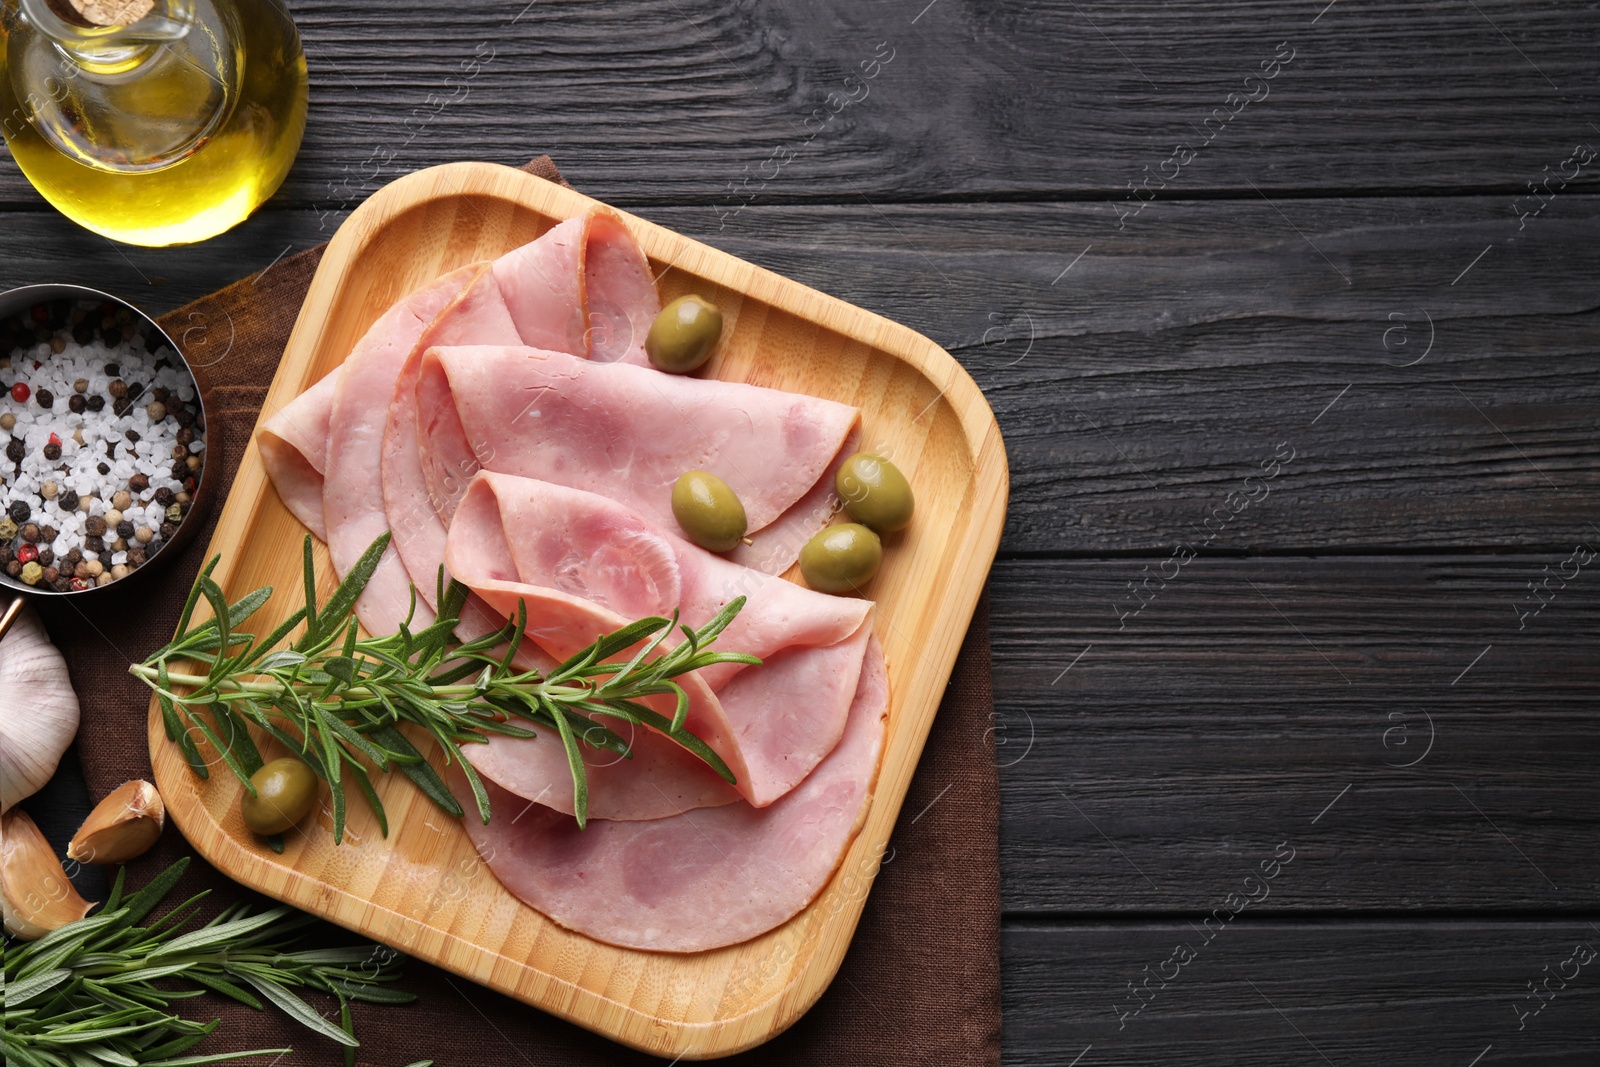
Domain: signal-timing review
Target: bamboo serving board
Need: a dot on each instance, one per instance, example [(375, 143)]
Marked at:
[(423, 889)]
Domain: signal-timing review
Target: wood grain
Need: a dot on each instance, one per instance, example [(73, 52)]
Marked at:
[(424, 889), (647, 101), (1251, 694), (1265, 994)]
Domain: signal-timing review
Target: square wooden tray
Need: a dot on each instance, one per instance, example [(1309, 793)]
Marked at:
[(423, 889)]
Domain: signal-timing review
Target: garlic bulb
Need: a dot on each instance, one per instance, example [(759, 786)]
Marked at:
[(36, 896), (38, 709)]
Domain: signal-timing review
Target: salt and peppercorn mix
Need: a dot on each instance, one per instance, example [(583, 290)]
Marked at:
[(104, 444)]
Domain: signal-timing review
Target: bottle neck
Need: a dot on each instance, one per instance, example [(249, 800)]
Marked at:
[(109, 49)]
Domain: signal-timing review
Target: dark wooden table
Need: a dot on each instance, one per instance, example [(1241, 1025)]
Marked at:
[(1295, 616)]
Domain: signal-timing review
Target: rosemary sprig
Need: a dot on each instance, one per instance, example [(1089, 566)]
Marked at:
[(100, 990), (336, 698)]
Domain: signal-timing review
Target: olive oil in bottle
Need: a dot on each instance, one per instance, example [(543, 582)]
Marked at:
[(166, 131)]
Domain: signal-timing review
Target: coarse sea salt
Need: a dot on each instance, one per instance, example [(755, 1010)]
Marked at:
[(63, 467)]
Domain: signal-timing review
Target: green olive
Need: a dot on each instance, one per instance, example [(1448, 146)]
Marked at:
[(286, 790), (875, 493), (708, 511), (683, 335), (841, 559)]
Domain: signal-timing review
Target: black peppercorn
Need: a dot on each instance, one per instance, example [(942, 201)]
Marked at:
[(122, 406), (180, 470), (68, 500), (135, 390), (19, 511), (166, 531), (113, 370), (14, 568), (139, 483), (48, 532), (136, 557), (125, 529), (185, 435), (52, 451), (118, 389), (165, 496), (47, 556), (94, 544), (104, 468), (15, 450), (76, 404), (97, 402), (159, 395), (132, 435), (95, 526), (46, 398), (30, 533)]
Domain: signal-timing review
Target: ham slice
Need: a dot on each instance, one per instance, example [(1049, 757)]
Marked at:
[(703, 879), (628, 432), (585, 565), (583, 287), (294, 449), (620, 292), (352, 493), (412, 515), (584, 270), (661, 779)]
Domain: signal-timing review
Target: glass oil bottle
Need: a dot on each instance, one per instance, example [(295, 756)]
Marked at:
[(166, 131)]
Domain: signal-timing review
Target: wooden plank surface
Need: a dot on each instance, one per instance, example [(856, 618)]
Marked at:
[(1144, 766), (1269, 994), (653, 101)]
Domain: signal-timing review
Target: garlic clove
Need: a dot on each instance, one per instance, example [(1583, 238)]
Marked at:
[(123, 825), (36, 894)]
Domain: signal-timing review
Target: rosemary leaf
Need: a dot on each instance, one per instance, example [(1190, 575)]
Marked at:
[(102, 990)]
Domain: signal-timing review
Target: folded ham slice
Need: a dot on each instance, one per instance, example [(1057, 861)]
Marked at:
[(294, 448), (703, 879), (352, 493), (585, 565), (583, 287), (628, 432)]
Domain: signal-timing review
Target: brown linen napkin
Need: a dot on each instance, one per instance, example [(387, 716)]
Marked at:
[(921, 982)]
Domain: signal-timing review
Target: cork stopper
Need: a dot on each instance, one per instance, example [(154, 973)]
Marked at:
[(103, 12)]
